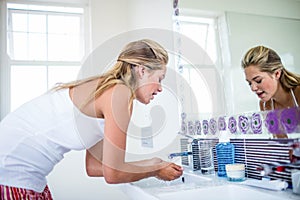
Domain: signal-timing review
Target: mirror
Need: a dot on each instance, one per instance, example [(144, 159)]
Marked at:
[(229, 93)]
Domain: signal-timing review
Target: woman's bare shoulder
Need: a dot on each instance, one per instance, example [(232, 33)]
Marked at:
[(297, 91), (117, 96)]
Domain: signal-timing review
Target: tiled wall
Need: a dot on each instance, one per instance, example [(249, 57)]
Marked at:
[(283, 121), (254, 153)]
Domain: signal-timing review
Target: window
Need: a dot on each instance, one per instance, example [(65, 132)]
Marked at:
[(45, 45), (202, 31)]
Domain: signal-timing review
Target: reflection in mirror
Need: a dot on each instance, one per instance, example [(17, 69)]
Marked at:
[(232, 39)]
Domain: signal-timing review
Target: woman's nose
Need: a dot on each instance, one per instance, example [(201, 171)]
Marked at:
[(159, 88), (253, 87)]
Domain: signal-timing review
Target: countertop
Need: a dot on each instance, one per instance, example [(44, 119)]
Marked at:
[(207, 186)]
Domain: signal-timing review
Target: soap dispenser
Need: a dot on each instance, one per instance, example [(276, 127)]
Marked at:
[(225, 153)]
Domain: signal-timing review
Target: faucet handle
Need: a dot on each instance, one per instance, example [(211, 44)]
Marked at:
[(264, 169), (185, 153)]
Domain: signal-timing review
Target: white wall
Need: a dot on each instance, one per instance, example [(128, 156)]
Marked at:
[(279, 8), (114, 17)]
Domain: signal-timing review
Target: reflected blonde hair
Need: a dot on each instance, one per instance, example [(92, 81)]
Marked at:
[(267, 60), (144, 52)]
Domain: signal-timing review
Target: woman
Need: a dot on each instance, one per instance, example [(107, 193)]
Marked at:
[(276, 87), (91, 114)]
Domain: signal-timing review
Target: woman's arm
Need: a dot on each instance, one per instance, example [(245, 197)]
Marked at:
[(94, 163), (115, 108), (93, 160)]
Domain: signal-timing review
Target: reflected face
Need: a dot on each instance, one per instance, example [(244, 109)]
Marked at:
[(149, 85), (263, 84)]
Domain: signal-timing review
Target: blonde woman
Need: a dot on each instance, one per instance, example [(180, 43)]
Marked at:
[(276, 87), (91, 114)]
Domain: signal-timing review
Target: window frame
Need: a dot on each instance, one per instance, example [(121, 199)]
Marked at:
[(217, 99), (6, 62)]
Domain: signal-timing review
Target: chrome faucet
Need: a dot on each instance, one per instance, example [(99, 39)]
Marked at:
[(266, 169), (185, 153)]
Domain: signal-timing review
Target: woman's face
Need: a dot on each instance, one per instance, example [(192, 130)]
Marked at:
[(149, 84), (263, 84)]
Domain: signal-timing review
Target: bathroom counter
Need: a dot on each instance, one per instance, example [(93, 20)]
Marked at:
[(195, 185)]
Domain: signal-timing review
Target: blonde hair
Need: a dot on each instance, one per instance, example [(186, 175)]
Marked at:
[(267, 60), (144, 52)]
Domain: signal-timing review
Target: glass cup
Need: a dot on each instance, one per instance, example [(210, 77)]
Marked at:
[(206, 157), (296, 181)]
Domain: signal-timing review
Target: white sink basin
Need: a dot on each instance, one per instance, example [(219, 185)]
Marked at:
[(221, 192), (187, 181), (198, 187)]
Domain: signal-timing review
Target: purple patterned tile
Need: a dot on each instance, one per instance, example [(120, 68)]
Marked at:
[(213, 126), (232, 124), (256, 123), (205, 127), (289, 119), (221, 124), (243, 123), (272, 122)]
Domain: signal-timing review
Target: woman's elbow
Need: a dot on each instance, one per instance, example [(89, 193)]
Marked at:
[(93, 172), (89, 172), (114, 177), (112, 180)]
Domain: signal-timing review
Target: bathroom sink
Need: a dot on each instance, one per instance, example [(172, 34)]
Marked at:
[(220, 192), (194, 186), (185, 182)]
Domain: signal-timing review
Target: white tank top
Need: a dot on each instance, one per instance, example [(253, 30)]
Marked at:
[(35, 137)]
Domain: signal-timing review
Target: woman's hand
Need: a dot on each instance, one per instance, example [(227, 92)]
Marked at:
[(169, 171)]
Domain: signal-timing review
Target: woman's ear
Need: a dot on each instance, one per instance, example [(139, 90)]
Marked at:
[(278, 74), (141, 70)]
